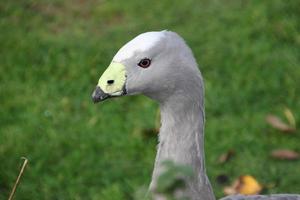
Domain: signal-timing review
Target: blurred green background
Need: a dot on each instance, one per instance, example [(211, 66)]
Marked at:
[(53, 52)]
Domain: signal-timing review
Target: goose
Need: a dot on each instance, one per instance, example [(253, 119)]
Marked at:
[(161, 66)]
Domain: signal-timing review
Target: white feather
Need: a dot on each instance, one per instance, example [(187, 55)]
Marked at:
[(142, 42)]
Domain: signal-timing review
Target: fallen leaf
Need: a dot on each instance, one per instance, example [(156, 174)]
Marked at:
[(226, 156), (233, 189), (290, 117), (278, 124), (285, 154), (246, 185), (229, 191)]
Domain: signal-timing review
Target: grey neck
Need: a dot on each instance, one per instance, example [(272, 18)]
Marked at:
[(181, 139)]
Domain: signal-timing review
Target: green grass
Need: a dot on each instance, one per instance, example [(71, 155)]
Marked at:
[(52, 55)]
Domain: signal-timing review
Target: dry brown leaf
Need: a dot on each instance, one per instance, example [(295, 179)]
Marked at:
[(278, 124), (226, 156), (285, 154), (290, 117), (229, 190), (246, 185)]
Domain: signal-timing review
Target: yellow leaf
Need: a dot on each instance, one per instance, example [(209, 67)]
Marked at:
[(246, 185), (290, 117), (249, 185)]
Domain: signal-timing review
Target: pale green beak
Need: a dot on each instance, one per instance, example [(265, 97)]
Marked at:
[(111, 83)]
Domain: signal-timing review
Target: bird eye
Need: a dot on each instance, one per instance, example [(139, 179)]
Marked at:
[(144, 63)]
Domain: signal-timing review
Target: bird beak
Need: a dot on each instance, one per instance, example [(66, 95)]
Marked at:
[(111, 83)]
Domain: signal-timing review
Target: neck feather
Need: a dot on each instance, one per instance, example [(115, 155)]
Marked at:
[(181, 133), (181, 138)]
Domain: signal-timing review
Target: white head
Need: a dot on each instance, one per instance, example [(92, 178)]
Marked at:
[(155, 64), (141, 43)]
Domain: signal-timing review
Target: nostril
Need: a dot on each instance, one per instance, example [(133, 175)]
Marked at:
[(110, 82)]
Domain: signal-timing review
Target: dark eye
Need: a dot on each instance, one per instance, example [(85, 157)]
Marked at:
[(144, 63)]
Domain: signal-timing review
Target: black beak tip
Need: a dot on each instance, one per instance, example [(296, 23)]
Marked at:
[(95, 99), (98, 95)]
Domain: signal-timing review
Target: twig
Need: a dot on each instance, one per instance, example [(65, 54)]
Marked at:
[(18, 179)]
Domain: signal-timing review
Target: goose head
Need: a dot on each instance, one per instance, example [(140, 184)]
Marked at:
[(155, 64)]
